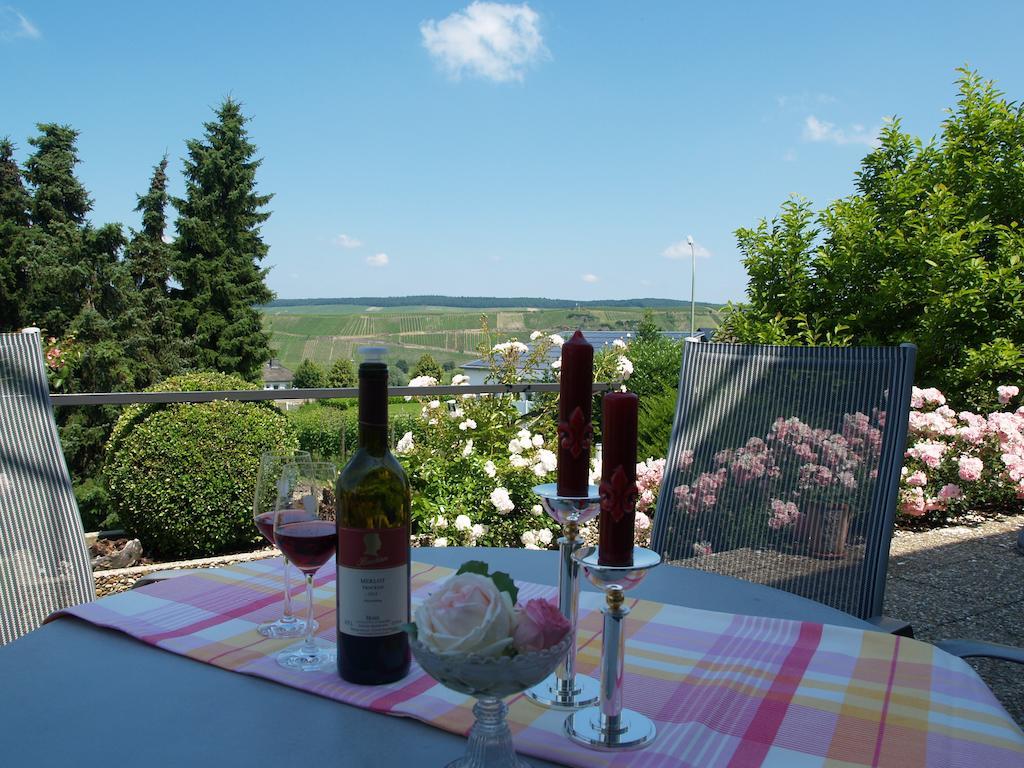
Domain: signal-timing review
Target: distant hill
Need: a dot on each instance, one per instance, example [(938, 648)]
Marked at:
[(486, 302)]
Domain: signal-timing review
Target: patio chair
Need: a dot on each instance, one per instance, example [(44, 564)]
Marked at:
[(44, 563), (783, 468)]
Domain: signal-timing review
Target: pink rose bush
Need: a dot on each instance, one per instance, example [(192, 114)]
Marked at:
[(963, 461), (475, 612)]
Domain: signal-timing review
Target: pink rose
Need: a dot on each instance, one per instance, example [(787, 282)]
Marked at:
[(950, 491), (969, 467), (540, 625), (1006, 394), (918, 478)]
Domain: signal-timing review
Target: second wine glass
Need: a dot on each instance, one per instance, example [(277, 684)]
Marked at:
[(304, 529), (269, 486)]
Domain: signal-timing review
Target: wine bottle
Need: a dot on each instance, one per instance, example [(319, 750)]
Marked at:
[(373, 543)]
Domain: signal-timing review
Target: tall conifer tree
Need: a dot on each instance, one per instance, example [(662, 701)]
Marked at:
[(219, 248), (14, 221)]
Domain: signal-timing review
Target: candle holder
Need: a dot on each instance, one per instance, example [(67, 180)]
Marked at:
[(565, 689), (608, 726)]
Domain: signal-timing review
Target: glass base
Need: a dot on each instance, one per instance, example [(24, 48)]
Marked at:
[(490, 741), (630, 730), (283, 628), (554, 695), (299, 657)]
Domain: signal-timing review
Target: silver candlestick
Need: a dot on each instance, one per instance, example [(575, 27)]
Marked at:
[(565, 689), (608, 725)]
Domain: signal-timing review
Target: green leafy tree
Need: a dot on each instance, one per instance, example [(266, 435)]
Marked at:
[(342, 373), (656, 360), (219, 248), (14, 221), (427, 366), (929, 249), (402, 364), (309, 375)]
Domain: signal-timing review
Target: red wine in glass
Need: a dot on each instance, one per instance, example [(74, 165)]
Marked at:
[(307, 544), (265, 522)]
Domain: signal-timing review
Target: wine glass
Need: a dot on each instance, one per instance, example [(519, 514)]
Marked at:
[(305, 532), (268, 488)]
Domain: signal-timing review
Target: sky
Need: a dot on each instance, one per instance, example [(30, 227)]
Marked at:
[(550, 148)]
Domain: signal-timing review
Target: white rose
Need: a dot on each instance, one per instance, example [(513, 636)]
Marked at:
[(556, 365), (469, 447), (514, 446), (440, 521), (556, 339), (441, 541), (463, 523), (501, 500), (537, 440), (544, 536), (529, 538), (536, 510), (489, 469), (405, 444), (468, 614), (535, 335), (478, 530)]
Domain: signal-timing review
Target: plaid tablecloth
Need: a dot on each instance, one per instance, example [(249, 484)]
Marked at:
[(723, 689)]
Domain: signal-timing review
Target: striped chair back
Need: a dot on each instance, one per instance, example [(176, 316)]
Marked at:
[(44, 563), (784, 465)]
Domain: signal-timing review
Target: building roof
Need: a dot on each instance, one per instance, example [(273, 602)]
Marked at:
[(274, 372), (599, 339)]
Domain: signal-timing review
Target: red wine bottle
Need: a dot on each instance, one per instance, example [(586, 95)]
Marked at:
[(373, 516)]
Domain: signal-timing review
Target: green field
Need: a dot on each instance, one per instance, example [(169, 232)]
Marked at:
[(325, 332)]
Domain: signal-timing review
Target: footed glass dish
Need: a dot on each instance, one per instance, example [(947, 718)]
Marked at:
[(490, 680)]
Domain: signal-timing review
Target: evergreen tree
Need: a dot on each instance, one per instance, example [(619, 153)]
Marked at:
[(14, 221), (157, 335), (427, 366), (342, 373), (219, 248), (309, 375)]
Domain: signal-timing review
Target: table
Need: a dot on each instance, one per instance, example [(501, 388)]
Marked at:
[(74, 694)]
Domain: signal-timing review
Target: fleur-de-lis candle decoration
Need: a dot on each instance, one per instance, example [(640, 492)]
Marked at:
[(618, 479), (575, 430)]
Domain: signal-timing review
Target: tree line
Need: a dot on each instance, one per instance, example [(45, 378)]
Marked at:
[(133, 306), (486, 302)]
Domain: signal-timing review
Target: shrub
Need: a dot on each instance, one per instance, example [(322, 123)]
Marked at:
[(309, 375), (962, 462), (319, 427), (342, 373), (182, 476)]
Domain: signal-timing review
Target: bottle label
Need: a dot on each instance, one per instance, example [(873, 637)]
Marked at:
[(373, 580)]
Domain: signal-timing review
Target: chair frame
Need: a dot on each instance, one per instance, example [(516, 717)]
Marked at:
[(876, 556)]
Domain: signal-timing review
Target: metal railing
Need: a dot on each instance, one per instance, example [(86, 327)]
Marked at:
[(248, 395)]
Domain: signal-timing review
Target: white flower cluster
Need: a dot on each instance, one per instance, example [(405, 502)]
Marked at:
[(510, 346), (467, 424), (538, 539), (421, 381), (405, 444), (489, 469), (526, 450), (472, 531), (459, 380), (502, 501)]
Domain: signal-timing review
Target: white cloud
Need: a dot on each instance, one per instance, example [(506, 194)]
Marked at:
[(819, 131), (590, 278), (14, 24), (495, 41), (378, 260), (681, 250), (345, 241)]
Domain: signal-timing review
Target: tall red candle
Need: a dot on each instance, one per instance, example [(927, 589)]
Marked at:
[(575, 430), (618, 479)]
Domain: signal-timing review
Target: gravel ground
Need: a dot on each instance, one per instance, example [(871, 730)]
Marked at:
[(967, 582)]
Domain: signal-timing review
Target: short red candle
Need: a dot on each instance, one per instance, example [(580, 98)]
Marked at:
[(618, 479), (575, 430)]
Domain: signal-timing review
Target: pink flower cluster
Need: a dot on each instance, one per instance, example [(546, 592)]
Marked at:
[(648, 480), (960, 461), (703, 494), (783, 513)]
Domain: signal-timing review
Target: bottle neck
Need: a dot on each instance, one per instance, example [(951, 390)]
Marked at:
[(373, 408), (373, 438)]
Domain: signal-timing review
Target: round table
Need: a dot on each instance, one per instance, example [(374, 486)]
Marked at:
[(75, 694)]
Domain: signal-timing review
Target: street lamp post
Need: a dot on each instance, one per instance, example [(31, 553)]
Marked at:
[(693, 281)]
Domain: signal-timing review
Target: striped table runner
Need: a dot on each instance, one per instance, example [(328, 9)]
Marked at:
[(723, 689)]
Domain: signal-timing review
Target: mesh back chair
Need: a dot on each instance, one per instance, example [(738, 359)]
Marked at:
[(44, 563), (784, 466)]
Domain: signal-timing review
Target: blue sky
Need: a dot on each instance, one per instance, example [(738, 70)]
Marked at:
[(556, 149)]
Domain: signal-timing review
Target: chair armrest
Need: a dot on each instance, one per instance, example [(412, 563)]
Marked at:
[(972, 648), (892, 626)]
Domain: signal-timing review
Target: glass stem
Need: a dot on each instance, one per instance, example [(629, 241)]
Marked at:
[(287, 613), (308, 646)]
